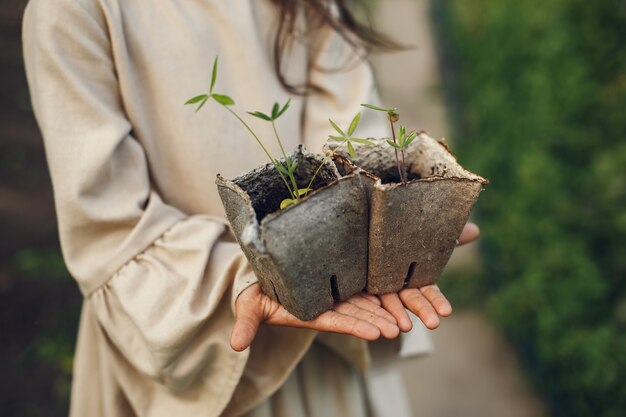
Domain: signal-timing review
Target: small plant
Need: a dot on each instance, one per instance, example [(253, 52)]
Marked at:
[(345, 139), (400, 142), (287, 169)]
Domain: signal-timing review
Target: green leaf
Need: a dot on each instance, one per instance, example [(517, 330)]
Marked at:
[(390, 142), (260, 115), (213, 75), (284, 109), (223, 99), (275, 110), (281, 168), (351, 150), (287, 202), (201, 98), (197, 99), (336, 138), (302, 191), (202, 104), (371, 106), (354, 124), (410, 139), (363, 141), (337, 128), (292, 166)]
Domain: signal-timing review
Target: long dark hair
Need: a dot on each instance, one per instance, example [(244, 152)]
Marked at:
[(321, 14)]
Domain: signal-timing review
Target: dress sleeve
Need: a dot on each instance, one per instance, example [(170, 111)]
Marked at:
[(162, 283)]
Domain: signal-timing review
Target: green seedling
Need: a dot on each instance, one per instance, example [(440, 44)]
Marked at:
[(225, 101), (400, 142), (345, 139), (287, 169)]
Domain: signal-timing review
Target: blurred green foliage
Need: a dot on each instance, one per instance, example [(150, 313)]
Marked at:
[(39, 309), (540, 93)]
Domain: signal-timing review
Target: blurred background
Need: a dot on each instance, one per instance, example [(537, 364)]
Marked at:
[(530, 94)]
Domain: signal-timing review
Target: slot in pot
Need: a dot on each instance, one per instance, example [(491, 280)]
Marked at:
[(413, 227)]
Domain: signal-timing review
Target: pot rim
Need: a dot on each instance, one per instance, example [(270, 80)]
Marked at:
[(471, 177)]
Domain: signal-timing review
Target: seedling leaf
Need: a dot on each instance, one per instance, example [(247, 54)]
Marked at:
[(371, 106), (202, 104), (351, 150), (337, 128), (201, 98), (284, 109), (354, 124), (223, 99), (213, 75), (287, 202), (410, 139), (260, 115), (281, 168), (303, 191), (275, 110), (292, 166), (336, 138), (363, 141), (197, 99), (390, 142)]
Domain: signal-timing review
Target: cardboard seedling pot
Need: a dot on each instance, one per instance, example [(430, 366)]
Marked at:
[(308, 255), (413, 227)]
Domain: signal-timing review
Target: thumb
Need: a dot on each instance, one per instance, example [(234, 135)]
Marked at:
[(470, 233), (247, 322)]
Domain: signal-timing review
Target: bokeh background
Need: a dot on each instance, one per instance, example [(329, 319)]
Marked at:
[(532, 95)]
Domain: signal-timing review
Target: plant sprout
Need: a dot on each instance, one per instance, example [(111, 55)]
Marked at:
[(287, 169), (400, 142), (345, 139), (225, 101), (289, 166)]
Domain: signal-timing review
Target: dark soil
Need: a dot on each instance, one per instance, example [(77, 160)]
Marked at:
[(267, 190), (391, 176)]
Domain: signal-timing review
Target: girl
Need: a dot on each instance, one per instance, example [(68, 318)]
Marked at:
[(170, 303)]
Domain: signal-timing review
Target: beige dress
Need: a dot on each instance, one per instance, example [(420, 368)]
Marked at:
[(140, 221)]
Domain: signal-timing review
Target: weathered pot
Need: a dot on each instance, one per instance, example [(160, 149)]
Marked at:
[(311, 254), (414, 227)]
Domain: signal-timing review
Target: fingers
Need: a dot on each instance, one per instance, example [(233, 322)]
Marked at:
[(371, 297), (329, 321), (365, 302), (363, 315), (392, 303), (248, 316), (358, 316), (469, 234), (370, 313), (336, 322), (436, 298), (428, 303), (244, 331)]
